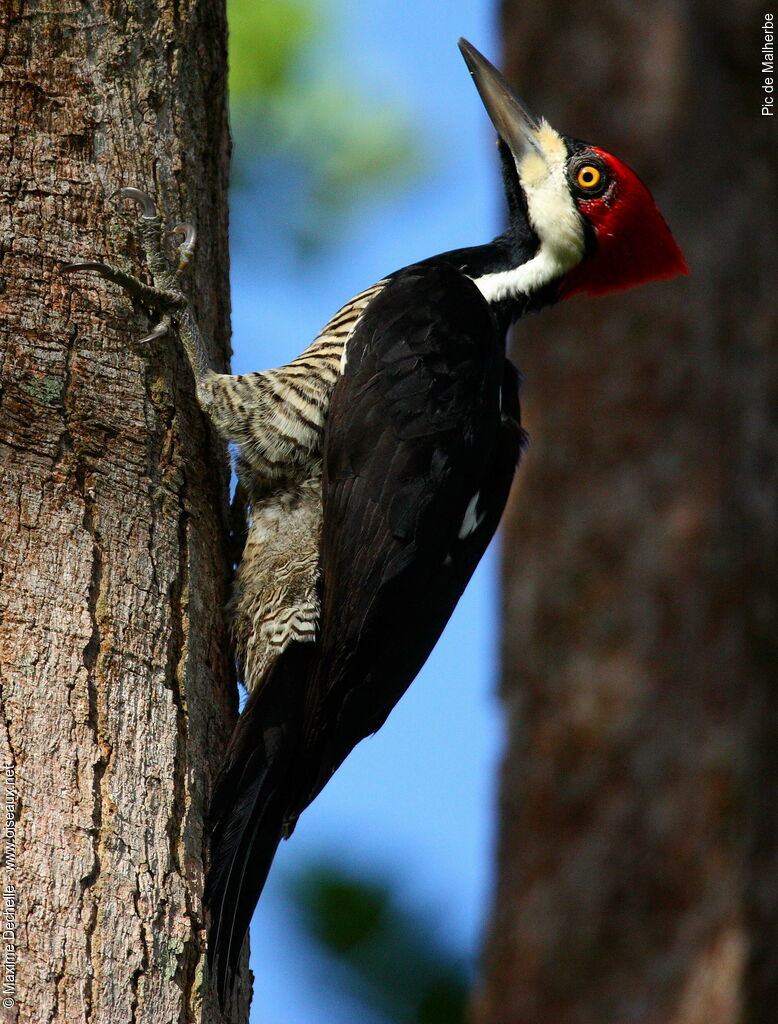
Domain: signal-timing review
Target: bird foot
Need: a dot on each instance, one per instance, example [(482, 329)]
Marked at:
[(164, 296)]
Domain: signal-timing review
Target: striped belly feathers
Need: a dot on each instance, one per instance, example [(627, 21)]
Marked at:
[(277, 419)]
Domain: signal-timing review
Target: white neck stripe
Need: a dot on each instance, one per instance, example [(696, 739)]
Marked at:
[(525, 279), (554, 218)]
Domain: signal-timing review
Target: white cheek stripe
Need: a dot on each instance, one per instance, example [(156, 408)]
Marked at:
[(554, 218)]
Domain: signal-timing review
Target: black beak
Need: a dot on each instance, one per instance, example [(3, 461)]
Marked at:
[(514, 125)]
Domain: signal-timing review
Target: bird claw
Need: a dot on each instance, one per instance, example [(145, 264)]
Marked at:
[(159, 331), (190, 235), (185, 248), (148, 208), (164, 295), (98, 268)]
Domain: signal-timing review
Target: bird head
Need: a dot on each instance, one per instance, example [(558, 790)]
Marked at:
[(596, 225)]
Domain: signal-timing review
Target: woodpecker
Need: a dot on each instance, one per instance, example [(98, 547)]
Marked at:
[(376, 467)]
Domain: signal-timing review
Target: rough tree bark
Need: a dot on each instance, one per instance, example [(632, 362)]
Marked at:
[(638, 854), (116, 689)]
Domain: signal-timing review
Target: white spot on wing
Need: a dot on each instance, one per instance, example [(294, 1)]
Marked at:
[(472, 520)]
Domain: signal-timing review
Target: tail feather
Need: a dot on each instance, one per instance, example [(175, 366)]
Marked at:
[(238, 876), (252, 795)]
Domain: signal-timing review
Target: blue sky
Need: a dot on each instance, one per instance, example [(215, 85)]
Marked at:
[(416, 801)]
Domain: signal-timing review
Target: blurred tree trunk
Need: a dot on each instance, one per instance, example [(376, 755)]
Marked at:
[(638, 851), (116, 690)]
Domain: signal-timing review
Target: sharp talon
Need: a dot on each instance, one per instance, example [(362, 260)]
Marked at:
[(159, 331), (98, 268), (190, 236), (149, 210)]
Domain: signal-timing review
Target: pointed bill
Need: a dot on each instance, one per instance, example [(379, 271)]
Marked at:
[(514, 125)]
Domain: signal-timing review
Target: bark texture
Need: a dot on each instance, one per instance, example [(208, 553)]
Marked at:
[(638, 847), (116, 689)]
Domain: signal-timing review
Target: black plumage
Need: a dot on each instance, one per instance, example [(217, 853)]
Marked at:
[(420, 439), (421, 443), (377, 465)]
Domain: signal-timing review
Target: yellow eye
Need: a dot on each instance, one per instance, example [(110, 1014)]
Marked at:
[(588, 176)]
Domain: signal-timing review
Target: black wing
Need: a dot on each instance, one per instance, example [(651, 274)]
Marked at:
[(420, 448)]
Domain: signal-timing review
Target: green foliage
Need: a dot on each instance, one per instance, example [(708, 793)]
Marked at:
[(266, 40), (396, 962), (341, 912), (308, 138)]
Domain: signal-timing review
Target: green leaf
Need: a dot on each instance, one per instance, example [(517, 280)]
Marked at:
[(266, 40), (396, 961), (309, 139)]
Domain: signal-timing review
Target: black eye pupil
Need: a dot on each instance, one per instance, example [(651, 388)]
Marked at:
[(588, 177)]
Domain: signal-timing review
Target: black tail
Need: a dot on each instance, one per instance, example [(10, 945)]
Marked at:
[(252, 796)]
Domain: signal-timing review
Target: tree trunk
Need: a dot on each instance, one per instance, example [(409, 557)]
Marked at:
[(638, 851), (116, 688)]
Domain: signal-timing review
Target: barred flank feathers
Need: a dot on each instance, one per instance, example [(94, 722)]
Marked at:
[(277, 416)]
